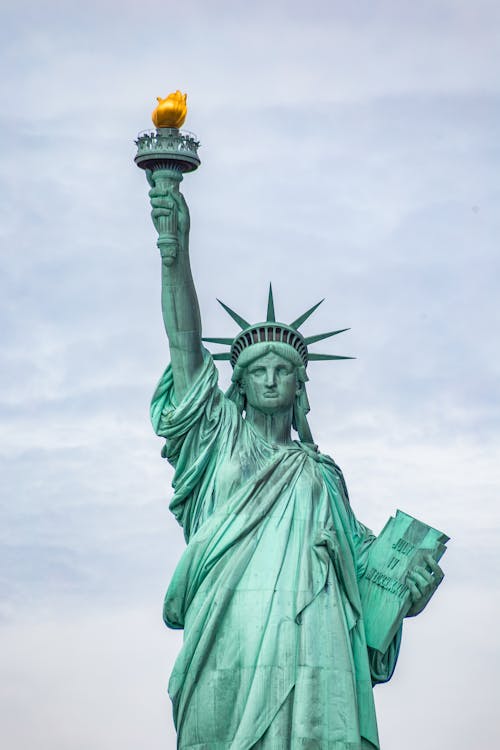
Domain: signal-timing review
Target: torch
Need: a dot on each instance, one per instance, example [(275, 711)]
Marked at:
[(166, 154)]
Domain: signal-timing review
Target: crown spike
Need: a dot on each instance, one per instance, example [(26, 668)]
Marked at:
[(237, 318), (270, 315), (321, 357), (321, 336), (222, 355), (302, 319)]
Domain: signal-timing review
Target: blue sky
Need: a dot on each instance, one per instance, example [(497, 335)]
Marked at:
[(349, 151)]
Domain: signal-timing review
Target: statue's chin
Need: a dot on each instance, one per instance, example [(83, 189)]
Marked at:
[(271, 409)]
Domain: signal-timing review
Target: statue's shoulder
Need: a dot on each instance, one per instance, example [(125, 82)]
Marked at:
[(328, 466), (314, 452)]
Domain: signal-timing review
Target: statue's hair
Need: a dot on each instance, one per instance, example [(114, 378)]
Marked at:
[(252, 354), (256, 351)]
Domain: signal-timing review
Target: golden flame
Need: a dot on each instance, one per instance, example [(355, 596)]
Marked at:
[(170, 112)]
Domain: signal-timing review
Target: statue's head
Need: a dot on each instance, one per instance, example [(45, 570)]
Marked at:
[(269, 362), (270, 377)]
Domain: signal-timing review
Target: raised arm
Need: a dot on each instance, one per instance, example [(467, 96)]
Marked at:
[(181, 312)]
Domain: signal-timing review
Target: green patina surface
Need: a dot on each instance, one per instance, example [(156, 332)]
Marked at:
[(291, 609)]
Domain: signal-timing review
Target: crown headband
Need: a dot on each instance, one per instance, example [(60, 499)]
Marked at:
[(271, 331)]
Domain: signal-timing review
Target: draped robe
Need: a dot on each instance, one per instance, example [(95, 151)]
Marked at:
[(274, 653)]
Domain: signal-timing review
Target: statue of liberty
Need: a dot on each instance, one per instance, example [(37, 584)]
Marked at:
[(275, 653)]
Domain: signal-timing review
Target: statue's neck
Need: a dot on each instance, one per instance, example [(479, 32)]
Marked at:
[(274, 428)]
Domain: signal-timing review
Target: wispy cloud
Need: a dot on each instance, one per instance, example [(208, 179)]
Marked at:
[(349, 151)]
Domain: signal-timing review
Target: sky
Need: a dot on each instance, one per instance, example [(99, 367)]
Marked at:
[(349, 151)]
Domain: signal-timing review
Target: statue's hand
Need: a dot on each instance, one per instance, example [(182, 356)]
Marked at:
[(165, 201), (162, 204), (183, 213), (422, 582)]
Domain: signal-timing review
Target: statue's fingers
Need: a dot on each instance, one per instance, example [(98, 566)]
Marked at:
[(156, 194), (412, 577), (181, 204), (427, 574), (159, 194), (429, 561), (422, 578), (150, 178), (435, 569), (160, 202), (414, 590), (178, 202), (157, 212)]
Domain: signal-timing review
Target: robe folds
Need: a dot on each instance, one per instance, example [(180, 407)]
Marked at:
[(274, 654)]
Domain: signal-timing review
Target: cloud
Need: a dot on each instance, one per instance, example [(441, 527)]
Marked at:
[(348, 151), (89, 681)]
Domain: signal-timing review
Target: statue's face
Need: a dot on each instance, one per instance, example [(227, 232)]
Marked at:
[(270, 384)]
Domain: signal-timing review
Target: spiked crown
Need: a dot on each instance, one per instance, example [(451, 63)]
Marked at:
[(272, 331)]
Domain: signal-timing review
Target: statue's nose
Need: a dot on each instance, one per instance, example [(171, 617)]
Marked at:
[(270, 376)]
